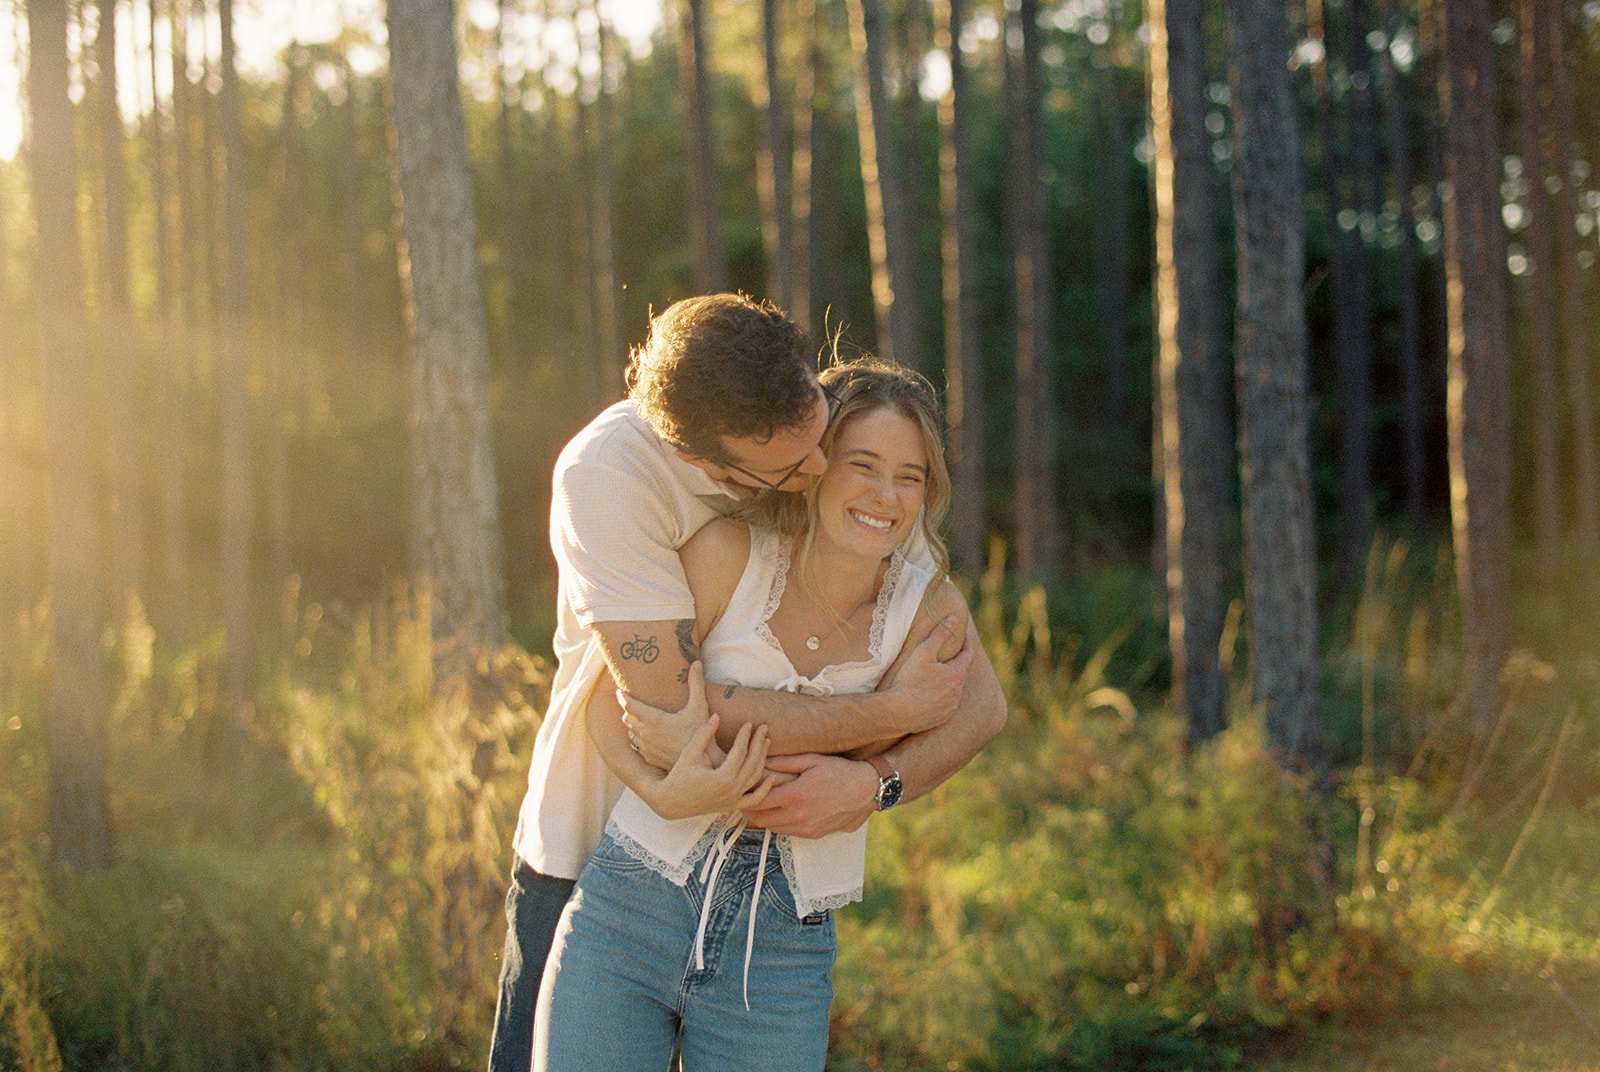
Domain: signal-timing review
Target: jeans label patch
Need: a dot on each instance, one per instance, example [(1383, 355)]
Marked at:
[(816, 918)]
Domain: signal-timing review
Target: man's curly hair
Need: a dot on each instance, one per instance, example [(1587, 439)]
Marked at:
[(722, 365)]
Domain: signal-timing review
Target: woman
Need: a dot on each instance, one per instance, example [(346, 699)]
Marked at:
[(687, 926)]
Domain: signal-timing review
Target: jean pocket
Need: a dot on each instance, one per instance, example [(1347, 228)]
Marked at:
[(611, 856)]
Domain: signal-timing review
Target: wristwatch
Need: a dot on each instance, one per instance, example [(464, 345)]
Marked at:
[(889, 785)]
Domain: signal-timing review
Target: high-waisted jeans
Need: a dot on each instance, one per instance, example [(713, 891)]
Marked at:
[(622, 988)]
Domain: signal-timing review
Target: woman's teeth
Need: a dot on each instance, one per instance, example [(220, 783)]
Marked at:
[(881, 524)]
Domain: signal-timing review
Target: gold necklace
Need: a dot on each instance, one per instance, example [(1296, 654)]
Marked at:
[(814, 641)]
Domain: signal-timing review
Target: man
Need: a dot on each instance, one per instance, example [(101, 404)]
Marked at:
[(723, 403)]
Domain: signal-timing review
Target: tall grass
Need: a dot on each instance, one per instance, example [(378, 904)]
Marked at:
[(325, 892)]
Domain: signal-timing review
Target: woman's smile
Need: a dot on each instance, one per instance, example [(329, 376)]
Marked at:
[(873, 521)]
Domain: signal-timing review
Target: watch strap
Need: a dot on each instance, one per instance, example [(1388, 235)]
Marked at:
[(883, 767)]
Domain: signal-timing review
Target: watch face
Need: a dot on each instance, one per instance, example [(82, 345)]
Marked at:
[(889, 792)]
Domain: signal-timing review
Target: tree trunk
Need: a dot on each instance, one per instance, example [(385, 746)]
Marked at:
[(962, 358), (1540, 289), (773, 166), (352, 216), (705, 213), (113, 178), (456, 525), (210, 281), (511, 206), (608, 346), (288, 352), (1037, 528), (166, 374), (1280, 569), (894, 297), (7, 294), (1479, 421), (188, 234), (455, 509), (76, 703), (1413, 390), (1192, 428), (1111, 233), (1349, 303), (586, 319), (807, 137), (1560, 153), (114, 325), (238, 498)]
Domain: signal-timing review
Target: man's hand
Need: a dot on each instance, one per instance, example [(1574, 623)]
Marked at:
[(698, 785), (662, 736), (830, 794), (926, 689)]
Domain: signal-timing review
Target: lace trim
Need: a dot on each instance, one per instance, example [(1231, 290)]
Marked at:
[(678, 873), (803, 905), (880, 613), (779, 582), (828, 904)]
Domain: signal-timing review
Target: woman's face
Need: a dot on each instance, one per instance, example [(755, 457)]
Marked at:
[(870, 496)]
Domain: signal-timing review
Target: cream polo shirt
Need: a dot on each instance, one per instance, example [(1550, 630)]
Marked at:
[(623, 502)]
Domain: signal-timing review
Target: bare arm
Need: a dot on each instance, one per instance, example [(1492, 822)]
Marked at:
[(653, 671), (651, 660), (837, 793), (701, 781), (927, 760)]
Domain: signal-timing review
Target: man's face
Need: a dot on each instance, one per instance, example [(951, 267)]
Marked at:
[(787, 461)]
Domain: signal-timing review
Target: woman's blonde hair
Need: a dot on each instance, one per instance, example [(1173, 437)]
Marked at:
[(864, 385)]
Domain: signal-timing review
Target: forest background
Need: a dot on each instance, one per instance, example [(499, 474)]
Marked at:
[(1267, 332)]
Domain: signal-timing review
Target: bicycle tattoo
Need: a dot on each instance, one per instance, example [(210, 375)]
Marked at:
[(642, 648)]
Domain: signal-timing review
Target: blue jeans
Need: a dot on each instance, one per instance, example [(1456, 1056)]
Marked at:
[(622, 987), (533, 907)]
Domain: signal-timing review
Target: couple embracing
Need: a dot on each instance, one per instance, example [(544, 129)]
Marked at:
[(757, 648)]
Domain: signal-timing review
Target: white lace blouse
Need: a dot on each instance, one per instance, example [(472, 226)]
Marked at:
[(824, 872)]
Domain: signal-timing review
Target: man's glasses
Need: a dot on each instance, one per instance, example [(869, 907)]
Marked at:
[(834, 402)]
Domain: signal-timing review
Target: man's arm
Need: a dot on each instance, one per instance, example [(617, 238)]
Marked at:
[(833, 793), (651, 661)]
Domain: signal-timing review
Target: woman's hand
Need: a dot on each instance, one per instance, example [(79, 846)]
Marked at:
[(661, 737), (698, 784)]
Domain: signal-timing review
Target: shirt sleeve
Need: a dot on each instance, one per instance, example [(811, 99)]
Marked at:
[(615, 538)]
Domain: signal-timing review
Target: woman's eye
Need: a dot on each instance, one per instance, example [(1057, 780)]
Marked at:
[(863, 467)]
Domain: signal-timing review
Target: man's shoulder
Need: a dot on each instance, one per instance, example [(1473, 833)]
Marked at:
[(621, 444), (616, 433)]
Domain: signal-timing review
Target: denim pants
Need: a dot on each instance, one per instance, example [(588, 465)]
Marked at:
[(622, 987), (533, 907)]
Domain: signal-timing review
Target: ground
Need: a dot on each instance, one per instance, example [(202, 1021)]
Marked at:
[(1492, 1021)]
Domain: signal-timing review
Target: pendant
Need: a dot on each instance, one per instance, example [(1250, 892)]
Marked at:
[(813, 642)]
